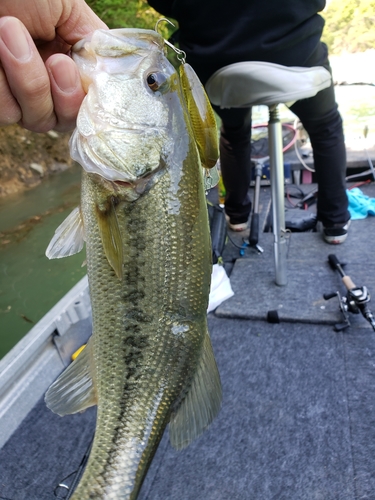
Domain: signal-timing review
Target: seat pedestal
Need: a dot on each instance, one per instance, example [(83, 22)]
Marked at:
[(278, 195)]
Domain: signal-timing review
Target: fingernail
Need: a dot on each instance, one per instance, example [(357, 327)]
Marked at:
[(15, 38), (64, 73)]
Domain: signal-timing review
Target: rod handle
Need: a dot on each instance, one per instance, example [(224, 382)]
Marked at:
[(349, 285)]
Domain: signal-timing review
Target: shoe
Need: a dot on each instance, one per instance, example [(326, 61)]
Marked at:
[(236, 227), (336, 234)]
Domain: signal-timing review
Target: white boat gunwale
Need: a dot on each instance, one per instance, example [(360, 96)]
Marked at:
[(37, 359)]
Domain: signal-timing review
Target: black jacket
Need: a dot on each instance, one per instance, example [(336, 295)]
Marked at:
[(214, 33)]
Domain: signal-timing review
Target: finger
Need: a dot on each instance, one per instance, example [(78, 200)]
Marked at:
[(26, 75), (55, 46), (79, 22), (66, 90), (10, 112), (72, 19)]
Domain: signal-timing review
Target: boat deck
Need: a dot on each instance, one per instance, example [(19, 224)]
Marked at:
[(298, 414)]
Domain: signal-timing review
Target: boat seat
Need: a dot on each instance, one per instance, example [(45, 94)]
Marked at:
[(250, 83)]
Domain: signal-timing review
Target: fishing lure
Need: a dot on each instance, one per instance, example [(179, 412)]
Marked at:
[(201, 114)]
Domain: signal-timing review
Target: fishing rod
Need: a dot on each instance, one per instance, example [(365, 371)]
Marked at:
[(357, 298), (65, 491)]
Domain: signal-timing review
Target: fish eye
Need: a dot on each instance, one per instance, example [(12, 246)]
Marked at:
[(155, 80)]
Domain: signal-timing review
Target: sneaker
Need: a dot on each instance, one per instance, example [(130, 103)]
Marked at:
[(236, 227), (336, 234)]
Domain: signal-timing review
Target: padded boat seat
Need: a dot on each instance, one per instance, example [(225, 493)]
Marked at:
[(249, 83)]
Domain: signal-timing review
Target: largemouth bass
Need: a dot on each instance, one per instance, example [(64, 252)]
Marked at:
[(143, 217)]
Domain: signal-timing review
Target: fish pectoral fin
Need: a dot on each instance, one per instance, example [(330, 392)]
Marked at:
[(69, 237), (74, 390), (111, 237), (201, 404)]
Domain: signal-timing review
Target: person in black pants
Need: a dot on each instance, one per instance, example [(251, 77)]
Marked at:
[(215, 33)]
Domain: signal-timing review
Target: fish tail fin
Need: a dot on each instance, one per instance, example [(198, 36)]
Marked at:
[(201, 404), (74, 390)]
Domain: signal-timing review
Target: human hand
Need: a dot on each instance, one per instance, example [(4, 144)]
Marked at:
[(40, 87)]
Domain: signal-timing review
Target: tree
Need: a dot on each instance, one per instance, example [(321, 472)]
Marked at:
[(349, 25), (129, 14)]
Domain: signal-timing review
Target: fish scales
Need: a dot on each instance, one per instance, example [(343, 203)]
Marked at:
[(149, 359), (151, 301)]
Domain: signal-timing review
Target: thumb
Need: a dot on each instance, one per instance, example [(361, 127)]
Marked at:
[(80, 22)]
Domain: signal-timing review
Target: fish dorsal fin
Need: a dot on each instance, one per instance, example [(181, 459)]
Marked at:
[(201, 404), (201, 115), (69, 237), (74, 390), (111, 237)]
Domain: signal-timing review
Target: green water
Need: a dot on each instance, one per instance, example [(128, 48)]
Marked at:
[(30, 284)]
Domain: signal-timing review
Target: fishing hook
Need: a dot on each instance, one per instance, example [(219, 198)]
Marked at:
[(161, 20), (181, 55)]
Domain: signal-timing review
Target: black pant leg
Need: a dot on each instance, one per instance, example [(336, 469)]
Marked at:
[(323, 123), (235, 150)]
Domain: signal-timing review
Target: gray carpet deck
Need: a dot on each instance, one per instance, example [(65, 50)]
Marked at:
[(296, 421), (298, 414), (308, 272), (309, 277)]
